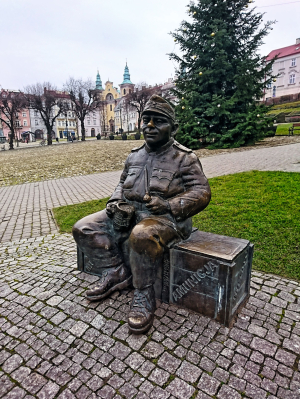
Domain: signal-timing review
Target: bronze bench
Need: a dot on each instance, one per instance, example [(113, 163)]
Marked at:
[(207, 273)]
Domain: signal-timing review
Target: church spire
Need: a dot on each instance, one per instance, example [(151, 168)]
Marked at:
[(98, 82), (126, 76)]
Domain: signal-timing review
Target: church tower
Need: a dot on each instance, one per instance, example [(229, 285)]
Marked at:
[(126, 86), (98, 82)]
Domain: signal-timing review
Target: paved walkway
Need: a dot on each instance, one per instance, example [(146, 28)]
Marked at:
[(25, 208), (54, 344)]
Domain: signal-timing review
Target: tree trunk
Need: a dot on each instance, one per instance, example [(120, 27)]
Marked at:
[(139, 125), (11, 140), (49, 136), (82, 130)]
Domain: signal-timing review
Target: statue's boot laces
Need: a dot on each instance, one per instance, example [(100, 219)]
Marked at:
[(111, 280), (142, 308)]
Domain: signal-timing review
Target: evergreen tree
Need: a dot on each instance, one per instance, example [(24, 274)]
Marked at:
[(220, 74)]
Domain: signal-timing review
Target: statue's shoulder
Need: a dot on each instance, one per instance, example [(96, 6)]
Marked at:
[(181, 147), (135, 149)]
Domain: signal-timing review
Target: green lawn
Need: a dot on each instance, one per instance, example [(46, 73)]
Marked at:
[(263, 207), (283, 129)]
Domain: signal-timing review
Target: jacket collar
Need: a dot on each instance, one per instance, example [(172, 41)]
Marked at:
[(160, 149)]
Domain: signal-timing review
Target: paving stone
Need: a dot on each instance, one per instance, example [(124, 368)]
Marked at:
[(180, 389), (208, 384), (159, 377), (188, 372), (49, 391), (169, 362), (228, 393)]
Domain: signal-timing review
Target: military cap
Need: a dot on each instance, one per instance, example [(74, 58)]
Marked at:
[(159, 105)]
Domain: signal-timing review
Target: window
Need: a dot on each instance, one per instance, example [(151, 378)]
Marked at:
[(292, 79), (293, 63), (89, 121), (24, 114), (17, 115), (274, 91), (35, 113), (25, 123), (94, 121), (124, 91), (110, 107), (17, 123), (36, 122)]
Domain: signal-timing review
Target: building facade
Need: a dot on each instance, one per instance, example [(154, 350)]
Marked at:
[(287, 69)]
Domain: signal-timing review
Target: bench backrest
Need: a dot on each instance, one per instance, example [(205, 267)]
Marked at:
[(296, 124)]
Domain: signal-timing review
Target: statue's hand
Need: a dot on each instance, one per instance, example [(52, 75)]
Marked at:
[(110, 208), (158, 206)]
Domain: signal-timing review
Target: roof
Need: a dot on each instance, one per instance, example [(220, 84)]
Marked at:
[(284, 52)]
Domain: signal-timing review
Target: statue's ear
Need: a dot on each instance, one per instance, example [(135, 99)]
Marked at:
[(175, 128)]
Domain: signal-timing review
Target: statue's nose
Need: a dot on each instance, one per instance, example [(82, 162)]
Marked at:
[(150, 123)]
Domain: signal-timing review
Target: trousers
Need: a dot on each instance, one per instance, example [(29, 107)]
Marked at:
[(141, 248)]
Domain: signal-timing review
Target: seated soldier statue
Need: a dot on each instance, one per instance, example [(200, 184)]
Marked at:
[(164, 186)]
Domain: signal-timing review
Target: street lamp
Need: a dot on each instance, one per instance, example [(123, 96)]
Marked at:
[(66, 115)]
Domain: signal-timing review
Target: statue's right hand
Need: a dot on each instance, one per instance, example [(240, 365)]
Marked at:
[(110, 208)]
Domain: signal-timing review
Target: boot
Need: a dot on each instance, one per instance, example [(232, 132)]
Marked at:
[(111, 280), (142, 308)]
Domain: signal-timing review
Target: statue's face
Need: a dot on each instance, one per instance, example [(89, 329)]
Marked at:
[(157, 129)]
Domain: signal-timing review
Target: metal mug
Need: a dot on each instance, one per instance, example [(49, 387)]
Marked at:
[(123, 215)]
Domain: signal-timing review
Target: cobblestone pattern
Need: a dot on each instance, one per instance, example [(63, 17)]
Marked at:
[(25, 208), (55, 344)]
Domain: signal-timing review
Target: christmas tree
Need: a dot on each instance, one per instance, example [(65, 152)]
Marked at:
[(220, 74)]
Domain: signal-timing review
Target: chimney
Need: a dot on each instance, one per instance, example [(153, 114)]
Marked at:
[(298, 40)]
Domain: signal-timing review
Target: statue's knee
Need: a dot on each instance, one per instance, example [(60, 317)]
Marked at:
[(145, 240)]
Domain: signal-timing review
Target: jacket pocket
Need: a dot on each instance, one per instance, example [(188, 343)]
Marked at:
[(160, 180), (132, 175)]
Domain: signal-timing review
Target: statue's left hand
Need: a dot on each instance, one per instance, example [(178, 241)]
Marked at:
[(158, 206)]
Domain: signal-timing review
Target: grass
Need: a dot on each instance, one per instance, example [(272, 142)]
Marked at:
[(263, 207), (283, 129)]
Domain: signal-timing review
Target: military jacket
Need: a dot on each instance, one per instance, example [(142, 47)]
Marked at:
[(173, 172)]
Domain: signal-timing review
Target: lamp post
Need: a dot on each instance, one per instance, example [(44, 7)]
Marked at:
[(66, 115)]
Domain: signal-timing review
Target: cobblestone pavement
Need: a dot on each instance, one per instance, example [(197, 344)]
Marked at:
[(54, 344), (25, 209)]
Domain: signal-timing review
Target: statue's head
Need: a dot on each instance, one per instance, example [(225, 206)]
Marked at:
[(158, 122)]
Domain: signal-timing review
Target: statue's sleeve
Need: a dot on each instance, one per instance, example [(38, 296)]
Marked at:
[(196, 195), (118, 193)]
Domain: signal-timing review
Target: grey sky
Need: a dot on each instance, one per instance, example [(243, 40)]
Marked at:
[(52, 40)]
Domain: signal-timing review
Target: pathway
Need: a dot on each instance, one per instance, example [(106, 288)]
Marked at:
[(25, 208)]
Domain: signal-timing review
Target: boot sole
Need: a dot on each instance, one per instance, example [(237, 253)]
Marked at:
[(120, 286), (141, 330)]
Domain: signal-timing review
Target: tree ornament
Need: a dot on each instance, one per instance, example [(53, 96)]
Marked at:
[(183, 98), (200, 73), (194, 56), (258, 115), (182, 107), (219, 105), (212, 34), (274, 80), (175, 40)]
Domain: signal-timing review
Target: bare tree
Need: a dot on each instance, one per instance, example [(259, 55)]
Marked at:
[(137, 99), (11, 104), (83, 99), (48, 102)]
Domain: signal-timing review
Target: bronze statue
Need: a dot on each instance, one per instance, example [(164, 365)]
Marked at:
[(162, 186)]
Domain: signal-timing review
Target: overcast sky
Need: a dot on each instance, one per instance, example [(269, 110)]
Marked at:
[(52, 40)]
